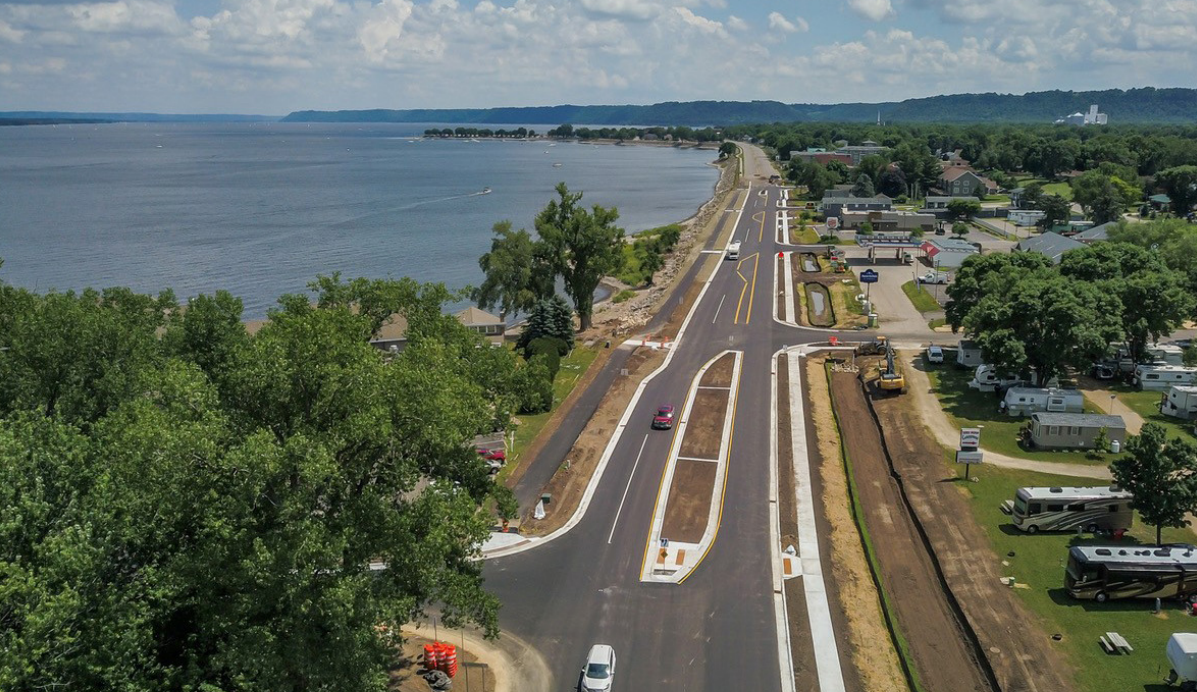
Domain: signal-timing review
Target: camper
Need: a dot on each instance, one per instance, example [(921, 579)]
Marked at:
[(987, 379), (1023, 401), (1163, 376), (1101, 573), (1180, 402), (968, 355), (733, 251), (1067, 509), (1182, 655)]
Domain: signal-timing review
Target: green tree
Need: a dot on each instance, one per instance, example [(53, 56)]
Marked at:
[(1032, 196), (964, 208), (863, 186), (728, 149), (587, 246), (1180, 182), (1043, 321), (515, 275), (1056, 210), (1162, 476), (959, 229), (166, 533), (549, 319)]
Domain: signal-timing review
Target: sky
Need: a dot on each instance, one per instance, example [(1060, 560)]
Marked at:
[(271, 57)]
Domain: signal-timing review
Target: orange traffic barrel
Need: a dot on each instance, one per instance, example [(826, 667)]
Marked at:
[(449, 660), (431, 657)]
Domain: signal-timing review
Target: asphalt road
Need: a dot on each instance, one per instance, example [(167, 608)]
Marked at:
[(716, 631)]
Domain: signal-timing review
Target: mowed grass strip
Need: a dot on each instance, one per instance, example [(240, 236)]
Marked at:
[(922, 300), (1037, 563), (704, 429), (689, 503)]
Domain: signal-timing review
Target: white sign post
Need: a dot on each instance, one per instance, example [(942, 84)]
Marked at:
[(969, 452), (970, 438)]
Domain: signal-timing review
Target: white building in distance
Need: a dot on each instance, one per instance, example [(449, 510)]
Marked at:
[(1090, 118)]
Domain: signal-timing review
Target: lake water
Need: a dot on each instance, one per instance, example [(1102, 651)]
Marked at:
[(261, 209)]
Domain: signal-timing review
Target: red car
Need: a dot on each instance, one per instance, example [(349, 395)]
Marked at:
[(495, 458), (663, 419)]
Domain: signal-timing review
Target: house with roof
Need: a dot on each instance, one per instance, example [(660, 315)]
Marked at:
[(1051, 430), (1096, 234), (1159, 202), (836, 206), (859, 151), (941, 202), (1051, 244), (820, 156), (958, 181), (948, 253)]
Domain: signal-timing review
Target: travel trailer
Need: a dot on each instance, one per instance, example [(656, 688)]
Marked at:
[(1023, 401), (1180, 402), (1163, 376)]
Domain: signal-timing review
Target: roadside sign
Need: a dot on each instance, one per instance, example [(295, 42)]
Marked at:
[(970, 438), (868, 276), (833, 222), (969, 457)]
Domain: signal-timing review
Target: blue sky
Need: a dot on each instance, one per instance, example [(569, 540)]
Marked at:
[(275, 56)]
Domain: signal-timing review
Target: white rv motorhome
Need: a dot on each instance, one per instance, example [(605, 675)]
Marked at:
[(1163, 376), (1023, 401), (1066, 509), (733, 251), (1180, 402), (987, 379)]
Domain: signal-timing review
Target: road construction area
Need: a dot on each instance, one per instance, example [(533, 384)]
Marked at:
[(955, 624)]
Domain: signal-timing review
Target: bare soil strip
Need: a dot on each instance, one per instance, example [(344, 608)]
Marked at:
[(781, 287), (874, 665), (1019, 651), (806, 675), (720, 372), (704, 430), (936, 637), (689, 502)]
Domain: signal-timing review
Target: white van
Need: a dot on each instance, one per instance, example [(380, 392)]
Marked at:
[(733, 251)]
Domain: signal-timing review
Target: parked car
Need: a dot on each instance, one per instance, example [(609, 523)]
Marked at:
[(934, 354), (934, 277), (494, 458), (663, 418), (599, 670)]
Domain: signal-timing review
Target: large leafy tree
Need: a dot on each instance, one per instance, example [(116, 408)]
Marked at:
[(1042, 322), (1056, 210), (1180, 182), (863, 187), (1154, 300), (586, 244), (163, 531), (980, 275), (516, 273), (1162, 476)]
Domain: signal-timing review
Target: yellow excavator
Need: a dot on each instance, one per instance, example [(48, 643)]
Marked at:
[(892, 379), (875, 347)]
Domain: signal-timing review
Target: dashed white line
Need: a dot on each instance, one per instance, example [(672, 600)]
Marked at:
[(625, 489), (719, 308)]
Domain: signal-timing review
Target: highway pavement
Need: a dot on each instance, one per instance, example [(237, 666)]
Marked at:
[(717, 630)]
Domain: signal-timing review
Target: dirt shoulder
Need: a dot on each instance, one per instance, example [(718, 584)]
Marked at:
[(937, 639), (874, 665), (1018, 649)]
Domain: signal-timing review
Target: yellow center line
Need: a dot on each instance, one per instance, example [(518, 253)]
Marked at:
[(760, 237), (742, 290)]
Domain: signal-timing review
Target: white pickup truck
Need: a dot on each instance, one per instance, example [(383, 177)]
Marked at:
[(934, 277)]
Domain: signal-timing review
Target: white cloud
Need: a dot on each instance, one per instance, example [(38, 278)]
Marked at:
[(384, 27), (702, 24), (875, 10), (736, 24), (627, 9), (778, 21), (8, 33)]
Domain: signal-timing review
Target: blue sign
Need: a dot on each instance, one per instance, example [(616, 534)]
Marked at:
[(868, 276)]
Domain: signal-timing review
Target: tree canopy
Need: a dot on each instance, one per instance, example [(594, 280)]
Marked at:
[(189, 507), (1162, 476)]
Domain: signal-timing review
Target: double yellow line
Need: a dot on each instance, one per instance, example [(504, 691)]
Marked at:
[(756, 260)]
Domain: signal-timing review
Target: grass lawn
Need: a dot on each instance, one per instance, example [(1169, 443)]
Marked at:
[(937, 322), (848, 310), (968, 407), (1037, 563), (573, 367), (922, 300), (1147, 404), (623, 295), (1062, 189), (806, 236)]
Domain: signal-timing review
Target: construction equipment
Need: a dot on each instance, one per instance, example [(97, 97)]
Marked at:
[(892, 379), (876, 347)]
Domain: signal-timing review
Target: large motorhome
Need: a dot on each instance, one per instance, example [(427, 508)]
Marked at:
[(1180, 402), (733, 251), (1066, 509), (1100, 573), (1163, 376)]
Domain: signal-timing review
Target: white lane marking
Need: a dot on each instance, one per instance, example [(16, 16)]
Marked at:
[(780, 616), (719, 308), (625, 489)]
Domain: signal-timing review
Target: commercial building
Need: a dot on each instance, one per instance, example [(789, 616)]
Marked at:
[(949, 253)]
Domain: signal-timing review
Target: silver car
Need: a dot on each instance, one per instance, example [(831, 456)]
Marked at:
[(599, 670)]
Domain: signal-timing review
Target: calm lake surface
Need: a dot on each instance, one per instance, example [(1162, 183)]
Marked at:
[(261, 209)]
